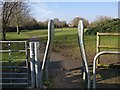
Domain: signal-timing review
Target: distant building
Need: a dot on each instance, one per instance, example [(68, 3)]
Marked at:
[(70, 25)]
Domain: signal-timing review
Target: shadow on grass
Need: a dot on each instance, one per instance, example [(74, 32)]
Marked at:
[(108, 86), (108, 77), (25, 39)]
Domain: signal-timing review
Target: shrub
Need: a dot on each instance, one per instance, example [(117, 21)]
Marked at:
[(107, 26)]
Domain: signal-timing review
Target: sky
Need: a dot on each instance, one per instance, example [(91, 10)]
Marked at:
[(69, 10)]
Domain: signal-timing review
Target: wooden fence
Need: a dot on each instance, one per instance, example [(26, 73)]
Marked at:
[(99, 46)]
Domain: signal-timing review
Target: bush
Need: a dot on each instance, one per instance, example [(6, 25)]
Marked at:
[(107, 26)]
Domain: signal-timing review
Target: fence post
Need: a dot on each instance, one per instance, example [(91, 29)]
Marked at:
[(37, 64), (97, 47), (32, 64)]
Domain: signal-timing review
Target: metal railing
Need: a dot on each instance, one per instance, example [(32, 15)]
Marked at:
[(10, 75), (36, 73), (86, 72), (95, 64)]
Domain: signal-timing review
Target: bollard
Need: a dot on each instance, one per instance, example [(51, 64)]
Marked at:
[(37, 64), (32, 64), (47, 52), (83, 53)]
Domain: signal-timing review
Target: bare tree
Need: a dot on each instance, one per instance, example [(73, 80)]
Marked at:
[(19, 15), (76, 20), (102, 18), (8, 10), (0, 20)]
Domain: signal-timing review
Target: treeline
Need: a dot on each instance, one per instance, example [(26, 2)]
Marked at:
[(34, 25), (104, 26)]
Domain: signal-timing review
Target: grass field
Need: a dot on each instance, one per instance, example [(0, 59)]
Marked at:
[(66, 40)]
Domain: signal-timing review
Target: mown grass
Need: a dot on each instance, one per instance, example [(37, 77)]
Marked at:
[(13, 58), (66, 39)]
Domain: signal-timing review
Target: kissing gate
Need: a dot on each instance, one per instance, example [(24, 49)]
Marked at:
[(26, 70)]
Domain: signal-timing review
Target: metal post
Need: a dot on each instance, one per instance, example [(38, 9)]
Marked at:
[(83, 53), (32, 64), (9, 58), (26, 48), (37, 64), (47, 51)]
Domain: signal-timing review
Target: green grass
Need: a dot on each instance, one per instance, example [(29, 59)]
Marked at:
[(13, 58), (26, 34), (65, 39)]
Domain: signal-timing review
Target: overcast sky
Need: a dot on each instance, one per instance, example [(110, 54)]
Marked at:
[(68, 10)]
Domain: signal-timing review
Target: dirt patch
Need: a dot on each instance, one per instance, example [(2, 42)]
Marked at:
[(65, 70), (107, 78), (67, 73)]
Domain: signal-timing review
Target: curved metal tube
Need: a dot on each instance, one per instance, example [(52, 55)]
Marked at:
[(94, 64), (83, 53), (47, 50)]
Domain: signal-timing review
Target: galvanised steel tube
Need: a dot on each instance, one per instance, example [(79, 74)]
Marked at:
[(37, 64), (12, 41), (47, 50), (94, 64), (83, 53), (32, 64)]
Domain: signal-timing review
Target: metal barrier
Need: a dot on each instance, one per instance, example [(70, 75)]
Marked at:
[(46, 57), (12, 76), (34, 64), (83, 54), (95, 62), (36, 74)]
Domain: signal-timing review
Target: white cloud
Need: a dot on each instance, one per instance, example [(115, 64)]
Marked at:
[(43, 11), (39, 10)]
